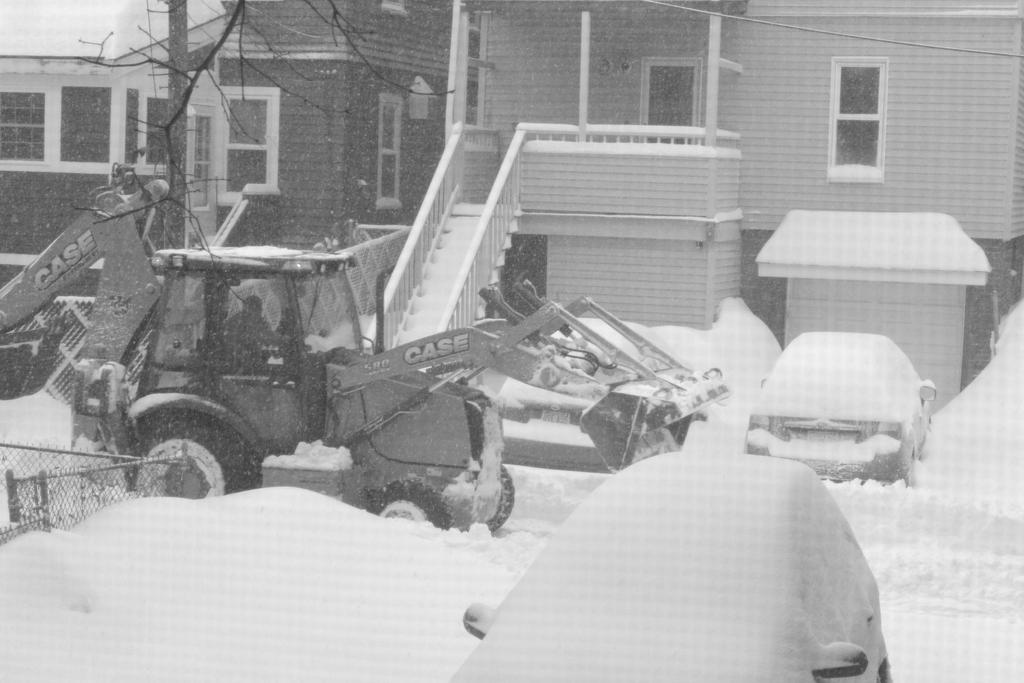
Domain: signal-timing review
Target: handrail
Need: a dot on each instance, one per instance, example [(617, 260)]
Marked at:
[(599, 132), (437, 204), (488, 241)]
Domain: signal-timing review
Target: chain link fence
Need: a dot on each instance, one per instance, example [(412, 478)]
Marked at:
[(50, 488)]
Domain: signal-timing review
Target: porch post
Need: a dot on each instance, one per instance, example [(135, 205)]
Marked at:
[(711, 140), (584, 72), (453, 68), (711, 103)]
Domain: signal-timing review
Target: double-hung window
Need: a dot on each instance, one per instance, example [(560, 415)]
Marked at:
[(389, 151), (857, 131), (252, 141)]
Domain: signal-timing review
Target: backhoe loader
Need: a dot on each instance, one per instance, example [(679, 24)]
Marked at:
[(230, 355)]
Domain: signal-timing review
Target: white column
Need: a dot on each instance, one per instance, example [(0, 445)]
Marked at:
[(454, 49), (584, 72), (714, 57)]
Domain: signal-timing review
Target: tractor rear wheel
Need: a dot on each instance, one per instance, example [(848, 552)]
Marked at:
[(411, 500), (212, 466), (505, 503)]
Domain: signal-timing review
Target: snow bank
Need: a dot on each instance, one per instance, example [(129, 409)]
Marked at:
[(270, 585), (38, 420), (976, 446)]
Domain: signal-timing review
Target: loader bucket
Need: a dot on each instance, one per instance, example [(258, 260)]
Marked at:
[(27, 359), (627, 428)]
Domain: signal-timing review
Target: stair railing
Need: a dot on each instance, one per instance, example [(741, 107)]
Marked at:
[(442, 193), (497, 222)]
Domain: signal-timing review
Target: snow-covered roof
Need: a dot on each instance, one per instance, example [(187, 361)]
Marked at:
[(921, 247), (98, 28)]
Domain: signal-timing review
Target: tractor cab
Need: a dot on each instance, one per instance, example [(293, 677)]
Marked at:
[(250, 330)]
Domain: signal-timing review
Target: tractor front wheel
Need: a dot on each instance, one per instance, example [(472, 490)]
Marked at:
[(411, 500), (211, 464), (505, 503)]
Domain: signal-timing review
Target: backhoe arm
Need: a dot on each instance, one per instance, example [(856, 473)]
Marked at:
[(127, 290)]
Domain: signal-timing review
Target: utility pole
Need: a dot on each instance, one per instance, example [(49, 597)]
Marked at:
[(175, 129)]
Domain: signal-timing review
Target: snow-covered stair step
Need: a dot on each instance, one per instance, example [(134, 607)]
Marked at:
[(439, 273)]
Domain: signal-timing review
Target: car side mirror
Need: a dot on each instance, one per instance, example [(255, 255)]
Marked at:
[(478, 619), (927, 391), (840, 660)]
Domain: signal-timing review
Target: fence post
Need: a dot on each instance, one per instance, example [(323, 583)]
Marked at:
[(13, 509), (44, 499)]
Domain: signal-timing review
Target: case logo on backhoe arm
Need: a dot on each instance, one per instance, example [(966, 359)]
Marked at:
[(439, 348), (69, 257)]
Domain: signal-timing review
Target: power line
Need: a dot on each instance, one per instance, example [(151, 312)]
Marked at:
[(837, 34)]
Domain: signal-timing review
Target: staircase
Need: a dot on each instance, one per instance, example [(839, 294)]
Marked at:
[(454, 249), (442, 265)]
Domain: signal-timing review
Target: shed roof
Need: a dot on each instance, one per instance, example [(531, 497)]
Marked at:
[(920, 247)]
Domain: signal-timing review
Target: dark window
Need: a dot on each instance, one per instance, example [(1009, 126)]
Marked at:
[(156, 139), (22, 125), (85, 124)]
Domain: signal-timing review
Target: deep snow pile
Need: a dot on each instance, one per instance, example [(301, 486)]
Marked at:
[(975, 450), (270, 585)]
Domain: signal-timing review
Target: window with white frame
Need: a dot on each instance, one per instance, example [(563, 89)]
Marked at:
[(252, 141), (23, 126), (857, 132), (389, 151), (63, 127)]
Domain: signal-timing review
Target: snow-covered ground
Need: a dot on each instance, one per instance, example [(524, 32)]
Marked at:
[(282, 584)]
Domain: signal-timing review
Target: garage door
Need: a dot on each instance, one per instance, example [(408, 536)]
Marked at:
[(925, 320)]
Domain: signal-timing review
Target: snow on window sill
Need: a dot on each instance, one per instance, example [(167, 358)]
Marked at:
[(855, 173), (398, 9), (388, 204)]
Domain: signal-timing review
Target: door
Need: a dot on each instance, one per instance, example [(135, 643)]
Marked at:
[(925, 320), (670, 92), (202, 195), (258, 360)]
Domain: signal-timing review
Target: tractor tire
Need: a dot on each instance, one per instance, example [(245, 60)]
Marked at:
[(411, 500), (213, 465), (505, 503)]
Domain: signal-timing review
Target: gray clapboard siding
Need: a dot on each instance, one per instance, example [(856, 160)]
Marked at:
[(950, 123), (654, 282)]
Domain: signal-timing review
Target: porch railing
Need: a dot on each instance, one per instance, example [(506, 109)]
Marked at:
[(442, 193), (493, 230), (608, 133)]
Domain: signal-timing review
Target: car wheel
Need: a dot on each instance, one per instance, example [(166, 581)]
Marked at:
[(212, 464), (505, 503), (411, 500)]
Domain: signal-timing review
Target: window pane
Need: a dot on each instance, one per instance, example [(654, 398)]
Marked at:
[(389, 112), (22, 118), (248, 122), (859, 90), (131, 125), (156, 140), (857, 142), (246, 166), (670, 100), (388, 177), (199, 191), (85, 124)]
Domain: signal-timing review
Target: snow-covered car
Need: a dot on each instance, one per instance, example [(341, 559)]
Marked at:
[(850, 405), (691, 568)]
